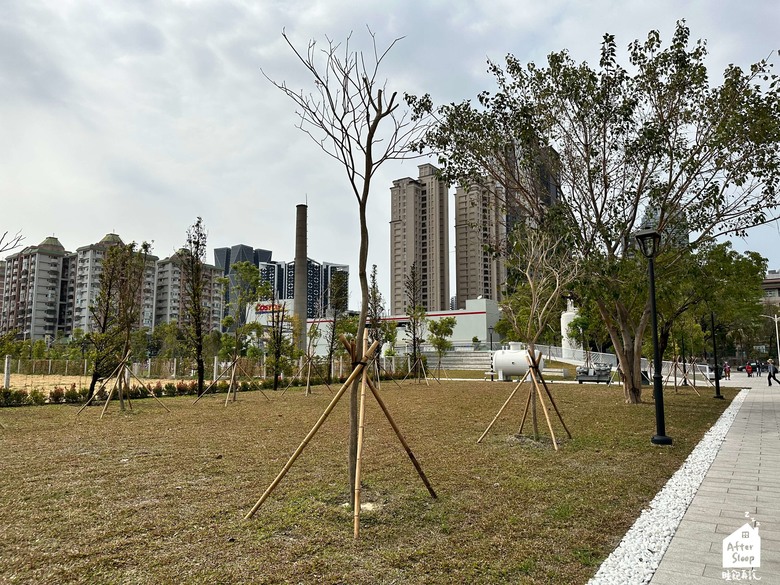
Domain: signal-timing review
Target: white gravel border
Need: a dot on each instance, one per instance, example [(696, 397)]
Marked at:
[(638, 555)]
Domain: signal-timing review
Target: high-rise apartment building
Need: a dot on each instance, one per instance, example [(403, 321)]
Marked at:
[(225, 258), (419, 233), (480, 226), (486, 214), (88, 269), (37, 293), (170, 293)]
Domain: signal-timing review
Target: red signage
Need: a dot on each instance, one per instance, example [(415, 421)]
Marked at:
[(268, 308)]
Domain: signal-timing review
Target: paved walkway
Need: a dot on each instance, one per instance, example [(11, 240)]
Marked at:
[(745, 477)]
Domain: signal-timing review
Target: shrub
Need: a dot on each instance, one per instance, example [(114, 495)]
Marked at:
[(37, 397), (57, 395), (14, 397), (169, 389), (72, 395)]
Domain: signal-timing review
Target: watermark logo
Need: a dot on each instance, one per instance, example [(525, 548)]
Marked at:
[(742, 552)]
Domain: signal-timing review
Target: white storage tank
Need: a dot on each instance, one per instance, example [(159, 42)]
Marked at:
[(513, 361)]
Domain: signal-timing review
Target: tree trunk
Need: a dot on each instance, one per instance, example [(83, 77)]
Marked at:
[(199, 359), (92, 384), (353, 394), (627, 341)]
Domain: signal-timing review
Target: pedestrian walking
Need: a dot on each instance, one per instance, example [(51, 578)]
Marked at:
[(749, 370), (772, 369), (726, 371)]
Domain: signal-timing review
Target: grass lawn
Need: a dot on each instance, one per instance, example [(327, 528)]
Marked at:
[(152, 497)]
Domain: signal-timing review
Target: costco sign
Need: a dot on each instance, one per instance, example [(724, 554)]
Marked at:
[(268, 308)]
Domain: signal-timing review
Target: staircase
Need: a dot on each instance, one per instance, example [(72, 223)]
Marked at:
[(461, 360)]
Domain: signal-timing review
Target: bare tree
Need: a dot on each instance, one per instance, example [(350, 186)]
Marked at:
[(417, 323), (8, 242), (542, 271), (355, 120)]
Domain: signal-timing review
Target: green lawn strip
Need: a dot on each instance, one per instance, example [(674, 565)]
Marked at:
[(148, 496)]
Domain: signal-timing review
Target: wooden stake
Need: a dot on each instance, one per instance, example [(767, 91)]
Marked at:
[(359, 456), (500, 410), (149, 390), (383, 406), (352, 377), (544, 408)]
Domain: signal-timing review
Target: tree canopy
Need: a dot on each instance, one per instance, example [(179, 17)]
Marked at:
[(654, 143)]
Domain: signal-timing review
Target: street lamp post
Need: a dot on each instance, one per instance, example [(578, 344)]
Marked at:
[(777, 337), (715, 359), (649, 240), (490, 330)]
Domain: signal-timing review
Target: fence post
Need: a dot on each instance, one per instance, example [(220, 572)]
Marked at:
[(7, 384)]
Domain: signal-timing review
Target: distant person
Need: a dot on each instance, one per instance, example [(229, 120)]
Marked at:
[(726, 371), (772, 369), (749, 370)]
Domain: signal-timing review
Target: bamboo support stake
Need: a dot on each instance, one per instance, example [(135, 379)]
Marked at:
[(544, 409), (555, 406), (232, 381), (105, 406), (500, 410), (87, 403), (525, 412), (150, 391), (355, 373), (383, 406), (210, 386), (359, 456)]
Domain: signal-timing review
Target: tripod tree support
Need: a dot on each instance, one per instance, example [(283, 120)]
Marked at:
[(352, 377), (533, 393)]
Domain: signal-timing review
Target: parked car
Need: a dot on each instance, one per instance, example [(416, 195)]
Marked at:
[(753, 365), (708, 371)]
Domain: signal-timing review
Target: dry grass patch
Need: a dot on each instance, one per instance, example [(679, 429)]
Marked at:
[(152, 497)]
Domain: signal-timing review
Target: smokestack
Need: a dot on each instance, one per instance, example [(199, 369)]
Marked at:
[(301, 275)]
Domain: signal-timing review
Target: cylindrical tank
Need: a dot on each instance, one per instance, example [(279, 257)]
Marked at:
[(513, 361), (568, 344)]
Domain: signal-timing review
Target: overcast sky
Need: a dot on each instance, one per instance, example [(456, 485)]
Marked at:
[(137, 116)]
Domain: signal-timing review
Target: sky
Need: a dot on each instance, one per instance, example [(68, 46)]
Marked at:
[(136, 117)]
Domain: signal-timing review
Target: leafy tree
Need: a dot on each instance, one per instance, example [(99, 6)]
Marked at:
[(541, 271), (9, 345), (716, 280), (116, 311), (356, 121), (440, 331), (197, 315), (139, 343), (336, 314), (247, 290), (661, 141), (280, 345), (168, 341)]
